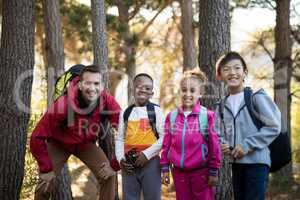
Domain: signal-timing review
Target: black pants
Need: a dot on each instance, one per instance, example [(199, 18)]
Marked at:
[(250, 181)]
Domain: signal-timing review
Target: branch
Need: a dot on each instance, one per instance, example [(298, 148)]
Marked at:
[(261, 43), (145, 29), (269, 2), (135, 11), (296, 34)]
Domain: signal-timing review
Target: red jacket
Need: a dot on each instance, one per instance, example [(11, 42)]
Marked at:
[(71, 130)]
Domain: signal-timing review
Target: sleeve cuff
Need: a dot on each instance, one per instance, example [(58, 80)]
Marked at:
[(213, 172), (165, 168), (245, 148)]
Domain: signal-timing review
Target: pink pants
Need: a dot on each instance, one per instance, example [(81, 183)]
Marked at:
[(192, 185)]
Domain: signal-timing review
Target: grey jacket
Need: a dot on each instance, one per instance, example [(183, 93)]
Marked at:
[(241, 130)]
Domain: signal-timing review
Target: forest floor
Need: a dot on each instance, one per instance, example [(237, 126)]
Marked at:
[(84, 186)]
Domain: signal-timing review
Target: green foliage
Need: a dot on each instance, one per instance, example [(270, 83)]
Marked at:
[(77, 20)]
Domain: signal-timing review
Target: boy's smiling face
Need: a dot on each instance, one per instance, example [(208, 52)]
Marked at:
[(233, 74), (143, 90)]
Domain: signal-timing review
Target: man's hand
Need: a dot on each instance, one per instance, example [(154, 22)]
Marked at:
[(48, 179), (165, 178), (238, 152), (127, 167), (106, 171), (225, 149), (141, 160), (213, 180)]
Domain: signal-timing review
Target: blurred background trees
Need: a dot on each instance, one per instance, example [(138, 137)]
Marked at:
[(125, 37)]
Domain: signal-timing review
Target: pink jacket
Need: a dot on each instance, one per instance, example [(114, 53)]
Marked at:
[(186, 148)]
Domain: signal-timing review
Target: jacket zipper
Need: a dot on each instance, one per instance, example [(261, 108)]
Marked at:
[(182, 143)]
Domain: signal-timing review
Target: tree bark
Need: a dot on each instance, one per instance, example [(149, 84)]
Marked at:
[(54, 49), (129, 46), (188, 36), (283, 72), (100, 38), (214, 40), (16, 69), (55, 62)]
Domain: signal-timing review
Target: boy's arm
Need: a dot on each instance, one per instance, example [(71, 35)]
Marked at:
[(154, 149), (270, 115), (164, 161), (120, 139), (214, 161)]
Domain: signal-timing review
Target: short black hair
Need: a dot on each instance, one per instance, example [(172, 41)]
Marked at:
[(144, 75), (89, 68), (232, 55)]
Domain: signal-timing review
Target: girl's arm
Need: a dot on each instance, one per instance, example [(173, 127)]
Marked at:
[(164, 161), (214, 152)]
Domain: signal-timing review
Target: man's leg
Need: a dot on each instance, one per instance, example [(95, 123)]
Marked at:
[(238, 181), (256, 181), (151, 180), (94, 157), (58, 157)]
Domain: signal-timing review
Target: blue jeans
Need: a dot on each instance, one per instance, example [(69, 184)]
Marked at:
[(250, 181), (146, 179)]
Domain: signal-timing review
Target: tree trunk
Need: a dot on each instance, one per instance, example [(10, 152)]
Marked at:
[(188, 36), (100, 38), (214, 40), (55, 62), (54, 49), (283, 72), (101, 59), (129, 46), (16, 70)]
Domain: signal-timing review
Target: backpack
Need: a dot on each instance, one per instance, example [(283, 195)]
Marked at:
[(276, 146), (280, 148), (151, 116), (202, 119), (62, 82)]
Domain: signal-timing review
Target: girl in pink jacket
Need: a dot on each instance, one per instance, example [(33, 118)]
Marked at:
[(190, 145)]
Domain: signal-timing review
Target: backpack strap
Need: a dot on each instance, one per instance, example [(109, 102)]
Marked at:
[(249, 104), (152, 117), (127, 113), (203, 122), (173, 116), (202, 119)]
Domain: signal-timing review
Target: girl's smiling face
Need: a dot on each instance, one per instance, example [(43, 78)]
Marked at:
[(233, 73), (190, 92)]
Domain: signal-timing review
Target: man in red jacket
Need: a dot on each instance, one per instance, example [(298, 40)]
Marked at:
[(71, 126)]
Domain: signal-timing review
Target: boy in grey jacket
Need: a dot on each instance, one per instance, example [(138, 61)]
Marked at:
[(240, 138)]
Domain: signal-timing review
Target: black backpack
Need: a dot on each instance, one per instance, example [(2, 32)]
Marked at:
[(280, 148), (151, 116)]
